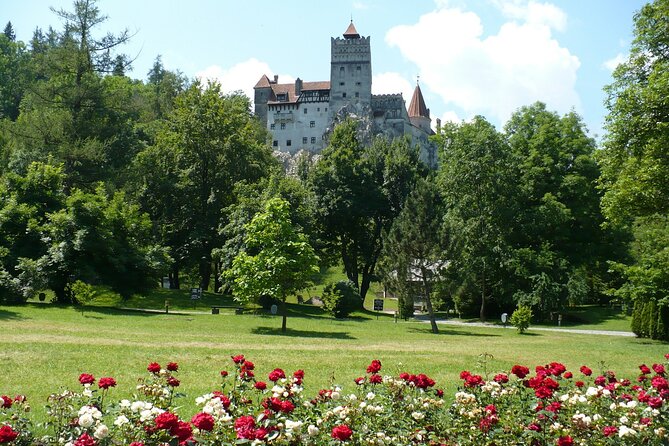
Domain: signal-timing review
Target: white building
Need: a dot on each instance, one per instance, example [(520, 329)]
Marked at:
[(300, 115)]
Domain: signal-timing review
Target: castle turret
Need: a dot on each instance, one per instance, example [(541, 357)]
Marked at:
[(350, 71), (419, 114), (262, 93)]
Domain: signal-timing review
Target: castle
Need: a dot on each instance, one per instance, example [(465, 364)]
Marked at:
[(300, 115)]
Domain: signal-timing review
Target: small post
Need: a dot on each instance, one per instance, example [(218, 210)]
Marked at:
[(559, 320), (167, 306)]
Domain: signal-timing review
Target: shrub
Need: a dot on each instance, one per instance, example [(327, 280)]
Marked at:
[(82, 293), (341, 298), (521, 318)]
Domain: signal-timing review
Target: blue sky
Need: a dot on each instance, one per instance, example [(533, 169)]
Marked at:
[(485, 57)]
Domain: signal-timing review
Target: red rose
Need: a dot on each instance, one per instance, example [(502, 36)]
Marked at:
[(405, 376), (86, 378), (276, 374), (172, 366), (245, 427), (659, 369), (107, 382), (579, 384), (375, 379), (287, 406), (374, 367), (565, 441), (261, 433), (645, 370), (440, 393), (465, 374), (238, 359), (600, 380), (586, 370), (153, 367), (299, 374), (224, 373), (167, 421), (6, 402), (655, 402), (173, 382), (85, 440), (520, 371), (501, 378), (260, 385), (136, 443), (341, 432), (182, 431), (534, 427), (360, 380), (568, 375), (7, 434), (610, 431)]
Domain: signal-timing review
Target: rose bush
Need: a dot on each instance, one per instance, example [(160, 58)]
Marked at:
[(548, 406)]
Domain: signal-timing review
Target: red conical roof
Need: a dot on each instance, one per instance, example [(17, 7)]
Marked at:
[(417, 106), (351, 32)]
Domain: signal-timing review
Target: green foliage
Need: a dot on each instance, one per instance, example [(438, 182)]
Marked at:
[(341, 298), (521, 318), (277, 260), (82, 293), (476, 181), (359, 191)]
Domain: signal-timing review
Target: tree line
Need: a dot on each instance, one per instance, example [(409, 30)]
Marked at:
[(116, 181)]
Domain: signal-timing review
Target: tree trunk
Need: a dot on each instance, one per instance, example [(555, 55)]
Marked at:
[(482, 312), (283, 316), (217, 277), (428, 302), (174, 277), (205, 273)]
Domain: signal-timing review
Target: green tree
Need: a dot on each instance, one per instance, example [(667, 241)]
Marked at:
[(635, 167), (416, 248), (476, 179), (359, 191), (186, 180), (277, 261)]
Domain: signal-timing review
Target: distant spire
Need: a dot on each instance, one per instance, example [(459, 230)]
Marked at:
[(417, 106), (351, 32)]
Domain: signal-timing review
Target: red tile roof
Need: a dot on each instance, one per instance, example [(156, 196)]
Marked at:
[(417, 106), (289, 90), (351, 32), (263, 82)]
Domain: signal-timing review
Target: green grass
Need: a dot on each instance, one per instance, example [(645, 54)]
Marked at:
[(43, 348)]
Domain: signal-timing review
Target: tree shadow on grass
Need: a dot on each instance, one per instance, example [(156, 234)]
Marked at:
[(7, 315), (273, 331), (451, 332)]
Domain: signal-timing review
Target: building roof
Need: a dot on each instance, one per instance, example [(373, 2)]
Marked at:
[(417, 106), (351, 32), (263, 82), (289, 90)]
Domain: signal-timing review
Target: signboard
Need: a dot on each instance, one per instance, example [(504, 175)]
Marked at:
[(504, 317), (378, 304), (273, 309), (195, 293)]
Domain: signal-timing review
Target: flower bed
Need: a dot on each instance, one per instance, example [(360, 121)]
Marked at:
[(549, 406)]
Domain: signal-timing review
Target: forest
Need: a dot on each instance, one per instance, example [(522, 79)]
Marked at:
[(117, 182)]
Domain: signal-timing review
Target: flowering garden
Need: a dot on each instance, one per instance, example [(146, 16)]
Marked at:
[(549, 405)]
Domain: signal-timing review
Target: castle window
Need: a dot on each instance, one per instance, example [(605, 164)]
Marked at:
[(312, 124), (283, 126), (289, 143), (358, 68), (318, 109), (305, 111), (271, 126), (343, 95), (313, 140), (341, 70), (326, 109), (358, 83), (357, 95), (341, 84), (304, 140), (275, 143)]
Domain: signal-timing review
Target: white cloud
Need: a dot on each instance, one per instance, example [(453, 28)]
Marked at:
[(240, 77), (451, 116), (612, 64), (494, 75), (392, 83), (360, 5)]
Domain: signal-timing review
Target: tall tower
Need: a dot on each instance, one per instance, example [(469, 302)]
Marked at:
[(419, 114), (350, 71)]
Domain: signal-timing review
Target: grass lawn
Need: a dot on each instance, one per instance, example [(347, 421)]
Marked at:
[(43, 348)]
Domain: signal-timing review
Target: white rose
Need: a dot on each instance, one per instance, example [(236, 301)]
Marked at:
[(86, 420), (101, 432), (417, 416), (313, 430), (121, 420)]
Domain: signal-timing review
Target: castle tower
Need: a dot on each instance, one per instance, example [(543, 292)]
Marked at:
[(350, 71), (419, 114), (263, 94)]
